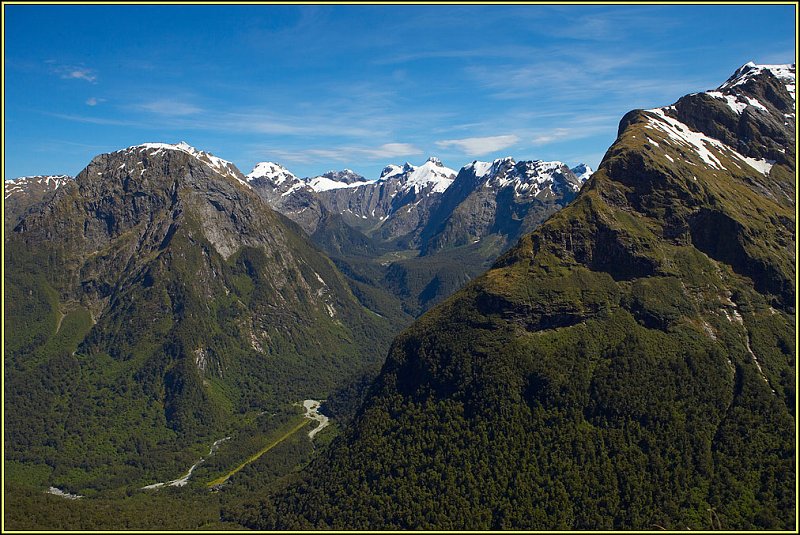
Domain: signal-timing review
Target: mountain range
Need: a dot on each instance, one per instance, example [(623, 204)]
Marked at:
[(387, 233), (630, 364), (516, 345)]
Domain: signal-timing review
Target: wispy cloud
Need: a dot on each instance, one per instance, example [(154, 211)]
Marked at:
[(95, 120), (553, 135), (81, 74), (72, 72), (94, 101), (604, 23), (478, 146), (579, 75), (578, 128), (170, 107), (494, 52), (344, 153)]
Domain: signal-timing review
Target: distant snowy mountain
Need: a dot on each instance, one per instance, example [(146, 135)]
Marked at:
[(336, 180), (397, 202), (287, 194), (272, 172), (432, 174), (406, 200), (526, 178), (582, 171), (504, 198)]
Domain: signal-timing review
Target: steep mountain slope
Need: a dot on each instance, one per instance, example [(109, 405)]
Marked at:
[(628, 365), (154, 304), (287, 194), (23, 192)]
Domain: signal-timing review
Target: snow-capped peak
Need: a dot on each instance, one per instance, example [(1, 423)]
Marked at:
[(432, 172), (275, 173), (488, 169), (582, 171), (785, 73), (218, 165), (526, 177)]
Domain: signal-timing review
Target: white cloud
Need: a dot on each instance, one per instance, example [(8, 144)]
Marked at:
[(71, 72), (76, 73), (478, 146), (554, 135), (94, 101)]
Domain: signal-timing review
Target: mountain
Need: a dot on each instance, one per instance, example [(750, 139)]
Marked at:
[(157, 304), (287, 194), (395, 206), (23, 192), (374, 229), (627, 365), (502, 198), (582, 171), (336, 179)]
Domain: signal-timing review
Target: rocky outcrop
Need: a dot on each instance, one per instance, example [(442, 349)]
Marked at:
[(23, 192)]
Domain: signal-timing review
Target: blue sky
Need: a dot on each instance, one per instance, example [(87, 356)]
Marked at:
[(317, 88)]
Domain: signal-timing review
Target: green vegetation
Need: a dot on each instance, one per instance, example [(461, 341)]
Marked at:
[(618, 421), (223, 478), (628, 365), (131, 349)]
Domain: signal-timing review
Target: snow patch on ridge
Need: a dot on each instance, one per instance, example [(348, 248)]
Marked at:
[(785, 73), (223, 167), (18, 185), (700, 143), (323, 183)]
